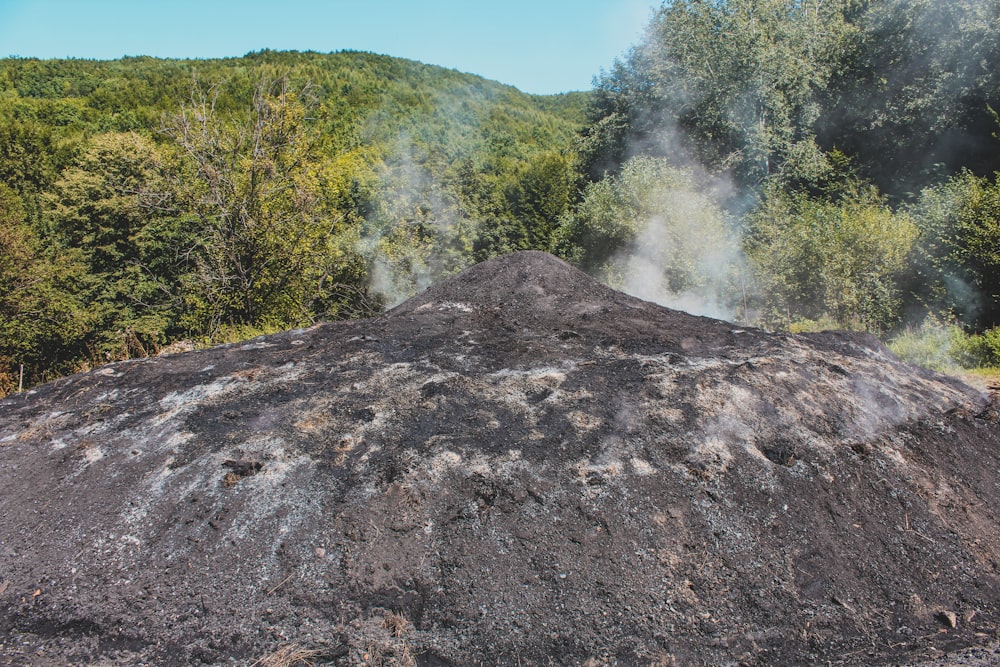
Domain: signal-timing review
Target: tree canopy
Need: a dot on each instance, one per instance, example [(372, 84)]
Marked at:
[(776, 162), (859, 139), (212, 200)]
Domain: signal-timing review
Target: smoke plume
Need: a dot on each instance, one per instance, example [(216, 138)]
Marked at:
[(416, 235)]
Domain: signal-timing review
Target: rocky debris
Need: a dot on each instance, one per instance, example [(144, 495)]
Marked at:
[(519, 466)]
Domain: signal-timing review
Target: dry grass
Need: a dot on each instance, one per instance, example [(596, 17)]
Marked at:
[(393, 650), (397, 624), (381, 655), (291, 655)]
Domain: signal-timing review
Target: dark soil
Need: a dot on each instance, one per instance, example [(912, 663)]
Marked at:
[(519, 466)]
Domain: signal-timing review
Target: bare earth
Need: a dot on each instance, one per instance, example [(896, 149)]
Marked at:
[(519, 466)]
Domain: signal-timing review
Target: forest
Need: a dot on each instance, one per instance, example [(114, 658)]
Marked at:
[(788, 164)]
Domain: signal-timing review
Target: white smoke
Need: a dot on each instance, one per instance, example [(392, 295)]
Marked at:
[(682, 250), (417, 235), (688, 260)]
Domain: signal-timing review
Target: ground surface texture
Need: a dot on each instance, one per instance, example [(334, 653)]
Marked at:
[(519, 466)]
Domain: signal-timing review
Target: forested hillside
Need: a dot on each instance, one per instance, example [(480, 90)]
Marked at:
[(846, 152), (791, 164), (148, 201)]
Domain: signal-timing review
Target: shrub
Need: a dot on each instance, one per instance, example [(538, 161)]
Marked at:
[(947, 347)]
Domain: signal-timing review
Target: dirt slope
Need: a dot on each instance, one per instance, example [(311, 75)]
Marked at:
[(519, 466)]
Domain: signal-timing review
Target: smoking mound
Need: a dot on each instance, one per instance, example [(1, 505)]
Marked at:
[(519, 466)]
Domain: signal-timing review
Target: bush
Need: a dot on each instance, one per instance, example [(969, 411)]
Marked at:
[(980, 350), (838, 257), (947, 347)]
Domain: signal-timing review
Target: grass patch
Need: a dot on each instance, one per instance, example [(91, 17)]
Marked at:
[(987, 379), (946, 347), (291, 655)]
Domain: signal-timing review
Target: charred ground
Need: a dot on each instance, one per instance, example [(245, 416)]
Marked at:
[(519, 466)]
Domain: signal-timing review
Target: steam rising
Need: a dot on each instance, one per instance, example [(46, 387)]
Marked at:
[(686, 259), (684, 250), (415, 237)]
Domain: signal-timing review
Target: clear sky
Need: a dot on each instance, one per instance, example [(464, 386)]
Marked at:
[(539, 46)]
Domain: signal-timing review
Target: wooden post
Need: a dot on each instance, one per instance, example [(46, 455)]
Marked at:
[(20, 380), (746, 311)]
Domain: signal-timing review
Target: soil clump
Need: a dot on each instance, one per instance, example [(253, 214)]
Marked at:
[(519, 466)]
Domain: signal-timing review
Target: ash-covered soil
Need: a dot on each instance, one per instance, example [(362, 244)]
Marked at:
[(519, 466)]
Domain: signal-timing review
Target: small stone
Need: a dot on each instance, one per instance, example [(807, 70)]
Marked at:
[(948, 618)]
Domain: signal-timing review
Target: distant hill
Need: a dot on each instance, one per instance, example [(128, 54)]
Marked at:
[(371, 177), (133, 92)]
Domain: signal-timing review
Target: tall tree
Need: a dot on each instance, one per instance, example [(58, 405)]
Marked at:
[(268, 253), (111, 205), (911, 102), (43, 321), (959, 269), (732, 84)]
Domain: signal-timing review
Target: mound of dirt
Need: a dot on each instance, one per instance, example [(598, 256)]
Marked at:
[(519, 466)]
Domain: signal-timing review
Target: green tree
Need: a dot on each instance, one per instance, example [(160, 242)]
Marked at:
[(417, 233), (959, 271), (112, 206), (26, 150), (838, 258), (911, 101), (734, 84), (519, 208), (43, 320), (267, 254), (544, 193), (102, 200), (31, 155)]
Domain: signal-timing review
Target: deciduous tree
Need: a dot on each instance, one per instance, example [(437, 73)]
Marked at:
[(838, 257), (733, 84), (43, 321), (111, 206), (267, 253)]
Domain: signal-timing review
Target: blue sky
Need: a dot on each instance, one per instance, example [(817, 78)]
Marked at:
[(540, 46)]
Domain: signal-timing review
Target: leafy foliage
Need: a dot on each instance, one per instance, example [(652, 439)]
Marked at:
[(911, 97), (43, 322), (765, 88), (216, 199), (813, 110), (946, 346), (266, 252), (654, 231), (839, 256), (733, 85), (110, 208), (959, 271)]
